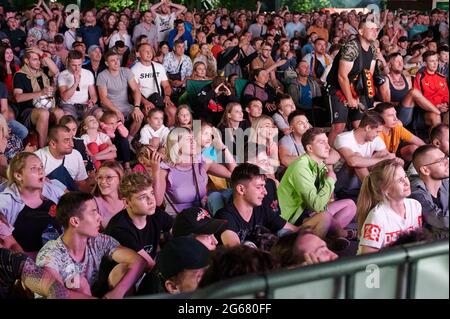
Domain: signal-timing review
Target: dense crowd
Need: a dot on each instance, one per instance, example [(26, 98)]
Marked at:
[(156, 151)]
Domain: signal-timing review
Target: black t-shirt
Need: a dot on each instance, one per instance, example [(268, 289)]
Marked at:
[(121, 227), (21, 81), (270, 201), (16, 37), (31, 223), (11, 265), (351, 52), (262, 216), (3, 91)]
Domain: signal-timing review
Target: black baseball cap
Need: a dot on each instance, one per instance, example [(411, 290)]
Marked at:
[(402, 39), (196, 220), (119, 44), (179, 254)]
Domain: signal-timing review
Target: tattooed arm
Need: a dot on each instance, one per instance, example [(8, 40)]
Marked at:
[(43, 281)]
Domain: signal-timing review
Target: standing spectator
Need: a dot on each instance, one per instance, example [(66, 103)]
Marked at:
[(258, 29), (179, 33), (320, 29), (78, 214), (146, 27), (431, 188), (319, 62), (384, 211), (121, 34), (90, 33), (164, 20), (295, 28)]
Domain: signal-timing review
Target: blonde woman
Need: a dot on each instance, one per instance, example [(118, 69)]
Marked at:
[(384, 211), (181, 181), (262, 135)]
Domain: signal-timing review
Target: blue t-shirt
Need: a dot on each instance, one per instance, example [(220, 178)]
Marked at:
[(210, 153), (306, 98), (90, 34)]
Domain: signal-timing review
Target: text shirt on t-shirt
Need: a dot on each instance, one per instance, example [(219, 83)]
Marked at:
[(383, 225), (145, 78)]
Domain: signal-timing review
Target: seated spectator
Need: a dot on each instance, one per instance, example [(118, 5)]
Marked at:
[(232, 128), (20, 275), (72, 124), (264, 61), (33, 94), (180, 266), (290, 146), (178, 67), (60, 49), (154, 133), (81, 243), (260, 89), (106, 191), (77, 88), (179, 33), (61, 161), (394, 133), (8, 68), (139, 226), (417, 235), (96, 62), (306, 189), (285, 53), (199, 72), (196, 222), (152, 77), (383, 209), (183, 117), (181, 180), (13, 144), (430, 189), (443, 60), (205, 56), (303, 89), (439, 138), (319, 62), (285, 106), (28, 204), (98, 144), (301, 249), (244, 212), (398, 90), (254, 109), (361, 149), (113, 84), (120, 34), (433, 86), (212, 99), (239, 261), (148, 29)]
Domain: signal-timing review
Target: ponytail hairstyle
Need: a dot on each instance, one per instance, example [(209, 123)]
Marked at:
[(375, 188)]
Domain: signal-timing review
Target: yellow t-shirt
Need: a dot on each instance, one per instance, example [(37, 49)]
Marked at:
[(393, 138)]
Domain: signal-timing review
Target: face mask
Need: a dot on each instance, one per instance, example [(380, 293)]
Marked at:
[(296, 47), (40, 22)]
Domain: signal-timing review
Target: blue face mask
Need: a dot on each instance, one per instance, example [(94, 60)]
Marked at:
[(40, 22)]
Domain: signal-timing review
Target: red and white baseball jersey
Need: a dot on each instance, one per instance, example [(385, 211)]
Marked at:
[(383, 225)]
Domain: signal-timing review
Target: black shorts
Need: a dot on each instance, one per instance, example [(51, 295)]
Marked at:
[(340, 112)]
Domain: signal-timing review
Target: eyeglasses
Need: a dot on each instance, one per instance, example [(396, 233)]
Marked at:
[(440, 161), (108, 179)]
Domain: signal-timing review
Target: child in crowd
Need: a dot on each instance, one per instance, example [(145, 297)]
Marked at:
[(154, 133), (98, 144), (285, 106), (183, 117)]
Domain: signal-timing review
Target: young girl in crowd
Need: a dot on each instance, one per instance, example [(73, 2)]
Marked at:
[(97, 143), (183, 117), (106, 191), (154, 133), (118, 133), (383, 209)]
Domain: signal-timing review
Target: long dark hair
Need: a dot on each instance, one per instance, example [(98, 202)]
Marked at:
[(12, 65)]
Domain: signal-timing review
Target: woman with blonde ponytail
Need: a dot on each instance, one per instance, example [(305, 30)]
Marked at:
[(383, 209)]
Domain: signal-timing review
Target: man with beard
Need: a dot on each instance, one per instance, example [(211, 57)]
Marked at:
[(349, 80), (431, 188), (399, 91)]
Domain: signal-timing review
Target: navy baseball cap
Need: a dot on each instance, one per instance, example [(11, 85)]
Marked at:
[(196, 220)]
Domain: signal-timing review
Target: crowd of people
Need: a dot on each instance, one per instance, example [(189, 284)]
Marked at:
[(159, 151)]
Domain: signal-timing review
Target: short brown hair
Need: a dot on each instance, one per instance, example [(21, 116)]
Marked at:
[(74, 55), (310, 135), (134, 183), (372, 119)]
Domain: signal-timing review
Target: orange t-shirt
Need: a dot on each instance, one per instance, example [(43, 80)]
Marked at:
[(321, 32), (395, 136)]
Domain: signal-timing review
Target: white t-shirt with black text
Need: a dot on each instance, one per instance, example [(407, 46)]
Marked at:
[(145, 78), (164, 23)]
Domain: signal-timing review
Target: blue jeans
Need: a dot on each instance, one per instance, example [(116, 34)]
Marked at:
[(18, 129)]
